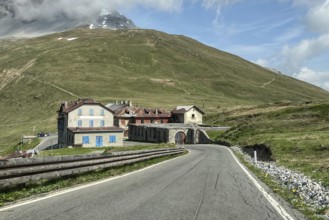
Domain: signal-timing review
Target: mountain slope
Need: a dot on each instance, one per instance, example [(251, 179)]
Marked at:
[(149, 67)]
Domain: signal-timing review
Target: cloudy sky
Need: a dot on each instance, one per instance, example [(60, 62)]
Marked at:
[(291, 36)]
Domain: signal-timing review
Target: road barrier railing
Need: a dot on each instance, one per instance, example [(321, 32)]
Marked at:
[(26, 170)]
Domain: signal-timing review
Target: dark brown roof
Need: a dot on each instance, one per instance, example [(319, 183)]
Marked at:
[(183, 109), (67, 107), (95, 129)]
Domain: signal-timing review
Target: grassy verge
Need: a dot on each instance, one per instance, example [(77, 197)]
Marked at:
[(214, 134), (46, 186), (21, 146), (285, 193), (297, 135)]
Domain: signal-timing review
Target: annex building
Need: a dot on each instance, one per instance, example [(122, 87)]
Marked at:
[(172, 133)]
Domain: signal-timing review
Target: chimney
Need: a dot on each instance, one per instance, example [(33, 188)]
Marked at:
[(130, 103)]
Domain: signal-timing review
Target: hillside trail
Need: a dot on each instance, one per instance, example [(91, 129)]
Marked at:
[(7, 76)]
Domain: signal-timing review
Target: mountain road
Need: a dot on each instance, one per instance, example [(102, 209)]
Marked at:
[(207, 183)]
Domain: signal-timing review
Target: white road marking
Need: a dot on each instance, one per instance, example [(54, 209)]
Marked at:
[(83, 186), (284, 214)]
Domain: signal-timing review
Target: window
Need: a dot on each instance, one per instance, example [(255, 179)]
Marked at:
[(91, 123), (102, 123), (102, 112), (79, 111), (193, 116), (79, 123), (142, 121), (85, 139), (91, 111), (113, 139)]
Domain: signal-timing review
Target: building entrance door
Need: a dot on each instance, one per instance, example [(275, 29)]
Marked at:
[(180, 138), (99, 141)]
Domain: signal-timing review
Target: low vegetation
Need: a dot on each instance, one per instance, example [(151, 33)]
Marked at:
[(297, 135)]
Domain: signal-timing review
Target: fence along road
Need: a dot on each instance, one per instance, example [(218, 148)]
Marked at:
[(208, 183)]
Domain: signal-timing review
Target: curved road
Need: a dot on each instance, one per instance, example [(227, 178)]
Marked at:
[(208, 183)]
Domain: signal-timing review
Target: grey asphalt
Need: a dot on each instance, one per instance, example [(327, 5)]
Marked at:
[(205, 184), (47, 142)]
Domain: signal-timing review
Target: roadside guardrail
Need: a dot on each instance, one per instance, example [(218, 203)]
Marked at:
[(25, 170)]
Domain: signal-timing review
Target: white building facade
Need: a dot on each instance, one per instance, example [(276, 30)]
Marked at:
[(86, 123)]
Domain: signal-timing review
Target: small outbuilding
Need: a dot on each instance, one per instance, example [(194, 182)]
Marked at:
[(187, 115)]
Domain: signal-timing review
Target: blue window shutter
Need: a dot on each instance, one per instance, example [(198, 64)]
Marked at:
[(113, 139), (85, 139)]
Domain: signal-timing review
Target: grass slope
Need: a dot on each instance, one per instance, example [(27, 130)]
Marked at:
[(298, 136), (149, 67)]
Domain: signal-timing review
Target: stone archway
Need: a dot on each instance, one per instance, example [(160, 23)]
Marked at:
[(180, 138)]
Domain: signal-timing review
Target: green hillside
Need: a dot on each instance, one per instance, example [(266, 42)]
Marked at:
[(150, 68)]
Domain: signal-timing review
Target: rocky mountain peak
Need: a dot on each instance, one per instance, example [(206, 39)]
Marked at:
[(33, 18)]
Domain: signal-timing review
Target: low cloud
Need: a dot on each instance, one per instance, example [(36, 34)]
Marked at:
[(23, 17), (320, 79), (294, 56), (318, 18)]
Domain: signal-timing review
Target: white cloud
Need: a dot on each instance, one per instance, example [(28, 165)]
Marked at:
[(262, 62), (217, 5), (320, 79), (318, 17), (292, 57)]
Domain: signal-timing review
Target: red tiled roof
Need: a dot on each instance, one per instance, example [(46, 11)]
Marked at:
[(138, 112)]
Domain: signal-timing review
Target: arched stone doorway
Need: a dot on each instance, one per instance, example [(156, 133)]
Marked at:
[(180, 138)]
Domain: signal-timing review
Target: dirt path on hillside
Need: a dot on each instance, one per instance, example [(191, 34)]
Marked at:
[(52, 85), (8, 75)]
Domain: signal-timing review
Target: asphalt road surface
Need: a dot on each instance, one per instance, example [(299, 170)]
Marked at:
[(47, 142), (207, 183)]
